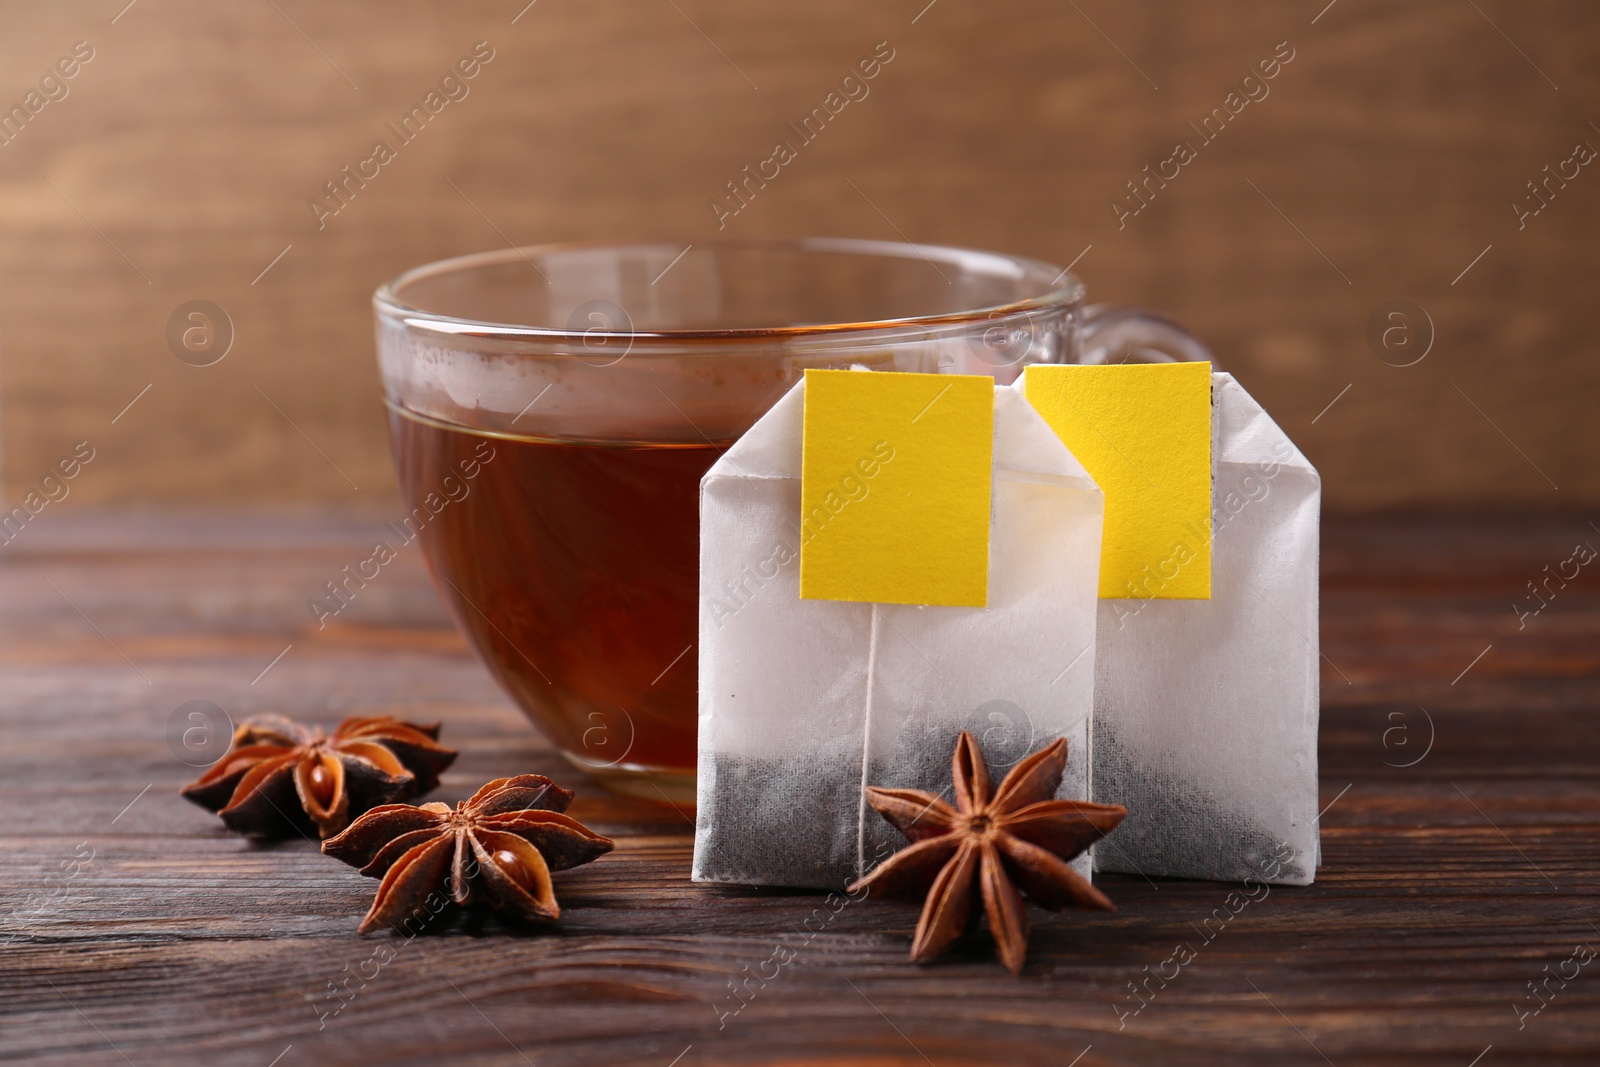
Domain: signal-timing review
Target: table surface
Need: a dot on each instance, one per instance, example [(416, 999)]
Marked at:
[(1461, 845)]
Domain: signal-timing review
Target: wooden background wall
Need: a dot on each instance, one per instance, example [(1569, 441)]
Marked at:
[(1384, 162)]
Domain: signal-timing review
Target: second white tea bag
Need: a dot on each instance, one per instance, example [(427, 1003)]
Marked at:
[(1206, 668), (1206, 710)]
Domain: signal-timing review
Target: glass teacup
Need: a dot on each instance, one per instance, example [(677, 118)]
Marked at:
[(552, 410)]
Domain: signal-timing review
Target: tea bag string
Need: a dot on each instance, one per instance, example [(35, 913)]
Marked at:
[(866, 747)]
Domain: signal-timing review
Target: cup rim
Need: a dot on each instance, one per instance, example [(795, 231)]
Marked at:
[(1064, 290)]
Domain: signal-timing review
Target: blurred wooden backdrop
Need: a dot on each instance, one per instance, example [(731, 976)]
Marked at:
[(1383, 164)]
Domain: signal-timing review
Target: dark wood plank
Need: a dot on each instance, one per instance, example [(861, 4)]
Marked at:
[(1447, 886), (1396, 141)]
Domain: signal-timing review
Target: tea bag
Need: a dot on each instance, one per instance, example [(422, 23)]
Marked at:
[(805, 701), (1205, 720)]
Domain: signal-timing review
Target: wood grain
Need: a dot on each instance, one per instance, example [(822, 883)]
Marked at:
[(1384, 161), (1446, 886)]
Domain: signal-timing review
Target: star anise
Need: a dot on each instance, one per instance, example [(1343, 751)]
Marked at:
[(1015, 838), (282, 777), (497, 848)]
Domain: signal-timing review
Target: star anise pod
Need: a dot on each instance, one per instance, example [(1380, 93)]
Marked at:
[(497, 848), (282, 777), (1001, 841)]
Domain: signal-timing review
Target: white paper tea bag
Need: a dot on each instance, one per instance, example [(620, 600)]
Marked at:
[(803, 702), (1205, 720)]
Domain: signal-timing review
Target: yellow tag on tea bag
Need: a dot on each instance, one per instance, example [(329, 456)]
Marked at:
[(894, 487), (1143, 431)]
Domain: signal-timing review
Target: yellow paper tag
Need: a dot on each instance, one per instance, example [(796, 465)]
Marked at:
[(1143, 431), (894, 487)]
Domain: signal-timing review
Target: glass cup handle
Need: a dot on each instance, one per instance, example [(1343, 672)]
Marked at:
[(1109, 334)]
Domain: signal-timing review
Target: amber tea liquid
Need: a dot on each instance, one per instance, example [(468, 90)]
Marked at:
[(574, 569)]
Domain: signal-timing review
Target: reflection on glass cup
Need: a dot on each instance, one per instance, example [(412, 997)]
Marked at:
[(552, 410)]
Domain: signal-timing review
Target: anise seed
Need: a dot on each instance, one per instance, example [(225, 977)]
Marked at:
[(508, 861), (322, 785)]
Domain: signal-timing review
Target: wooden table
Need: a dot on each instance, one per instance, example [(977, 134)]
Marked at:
[(135, 931)]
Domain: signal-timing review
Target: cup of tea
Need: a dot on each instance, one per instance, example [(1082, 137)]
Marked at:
[(552, 409)]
